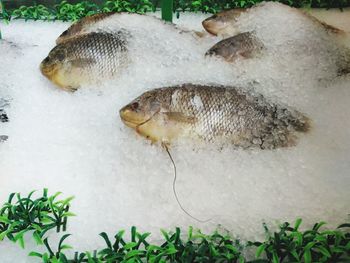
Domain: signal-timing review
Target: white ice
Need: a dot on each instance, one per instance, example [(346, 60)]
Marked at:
[(77, 144)]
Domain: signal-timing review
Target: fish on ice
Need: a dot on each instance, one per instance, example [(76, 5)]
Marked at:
[(243, 45), (86, 59), (213, 114)]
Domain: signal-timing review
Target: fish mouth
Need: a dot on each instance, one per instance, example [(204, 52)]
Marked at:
[(129, 123), (51, 73), (47, 69), (134, 123), (127, 117)]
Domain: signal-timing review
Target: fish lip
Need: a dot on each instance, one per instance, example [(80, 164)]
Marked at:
[(134, 124), (128, 123), (47, 70)]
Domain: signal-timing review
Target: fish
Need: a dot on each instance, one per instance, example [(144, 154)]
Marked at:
[(83, 26), (243, 45), (86, 59), (226, 23), (220, 115)]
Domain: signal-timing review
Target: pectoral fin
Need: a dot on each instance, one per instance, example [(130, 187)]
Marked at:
[(83, 62), (180, 117)]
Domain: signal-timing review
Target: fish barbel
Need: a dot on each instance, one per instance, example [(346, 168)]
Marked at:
[(215, 114)]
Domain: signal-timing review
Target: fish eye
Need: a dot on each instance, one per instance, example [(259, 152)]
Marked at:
[(60, 56), (134, 106)]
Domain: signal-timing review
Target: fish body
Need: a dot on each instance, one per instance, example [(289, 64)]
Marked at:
[(86, 59), (213, 114), (243, 45), (82, 26)]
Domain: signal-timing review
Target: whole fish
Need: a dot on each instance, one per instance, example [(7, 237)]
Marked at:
[(244, 45), (82, 26), (215, 114), (86, 59), (225, 23)]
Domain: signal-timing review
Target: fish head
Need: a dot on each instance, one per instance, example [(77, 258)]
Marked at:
[(141, 110), (57, 67), (223, 23), (228, 49), (149, 116), (243, 45)]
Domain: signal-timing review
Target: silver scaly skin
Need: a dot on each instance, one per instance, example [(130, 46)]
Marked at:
[(214, 114), (86, 59)]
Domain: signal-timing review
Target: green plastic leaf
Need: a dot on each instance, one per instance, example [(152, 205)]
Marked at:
[(324, 251), (37, 238), (259, 250), (35, 254), (275, 258), (297, 223), (307, 256), (130, 245)]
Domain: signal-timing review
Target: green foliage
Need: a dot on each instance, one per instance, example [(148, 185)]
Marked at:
[(32, 12), (71, 12), (288, 244), (20, 215), (132, 6), (196, 248), (291, 245)]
